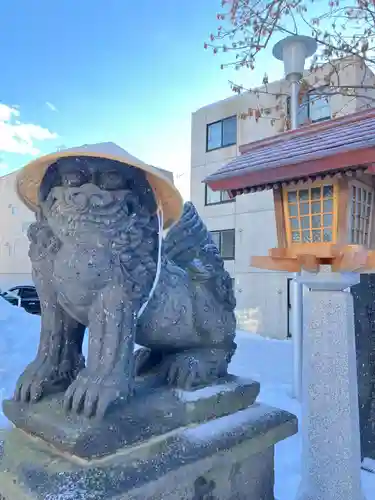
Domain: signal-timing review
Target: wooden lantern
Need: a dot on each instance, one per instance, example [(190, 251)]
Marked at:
[(322, 177), (323, 221)]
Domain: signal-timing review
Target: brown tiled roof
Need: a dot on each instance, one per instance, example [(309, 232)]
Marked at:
[(331, 146)]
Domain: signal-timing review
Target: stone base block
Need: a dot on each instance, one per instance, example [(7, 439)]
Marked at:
[(153, 411), (230, 458)]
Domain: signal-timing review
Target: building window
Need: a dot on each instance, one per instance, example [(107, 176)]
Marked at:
[(318, 108), (222, 133), (361, 214), (313, 109), (225, 242), (310, 213), (215, 197)]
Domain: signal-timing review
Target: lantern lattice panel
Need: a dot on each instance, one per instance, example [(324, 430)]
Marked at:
[(361, 208), (310, 213)]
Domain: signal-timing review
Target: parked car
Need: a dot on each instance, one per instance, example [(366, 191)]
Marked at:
[(23, 296)]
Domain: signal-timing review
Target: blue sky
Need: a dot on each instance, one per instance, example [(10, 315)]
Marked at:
[(83, 71)]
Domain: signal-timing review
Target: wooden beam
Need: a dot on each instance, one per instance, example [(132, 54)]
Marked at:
[(309, 263), (280, 218), (342, 211), (320, 250), (288, 265)]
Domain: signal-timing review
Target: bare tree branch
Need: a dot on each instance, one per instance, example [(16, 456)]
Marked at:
[(345, 33)]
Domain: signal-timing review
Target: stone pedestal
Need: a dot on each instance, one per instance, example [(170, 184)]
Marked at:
[(231, 457), (155, 410), (330, 422)]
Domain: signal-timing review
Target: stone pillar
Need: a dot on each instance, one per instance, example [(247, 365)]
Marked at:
[(364, 321), (331, 458)]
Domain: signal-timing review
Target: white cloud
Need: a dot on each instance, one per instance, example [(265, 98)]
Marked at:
[(7, 112), (51, 106), (18, 137)]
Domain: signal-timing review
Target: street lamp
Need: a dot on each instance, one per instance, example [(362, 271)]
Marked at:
[(293, 51)]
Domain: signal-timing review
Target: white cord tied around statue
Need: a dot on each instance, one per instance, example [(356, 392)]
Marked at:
[(159, 214)]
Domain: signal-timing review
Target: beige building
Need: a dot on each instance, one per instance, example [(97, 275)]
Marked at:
[(246, 226)]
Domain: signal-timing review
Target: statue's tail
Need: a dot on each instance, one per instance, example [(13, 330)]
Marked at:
[(189, 244)]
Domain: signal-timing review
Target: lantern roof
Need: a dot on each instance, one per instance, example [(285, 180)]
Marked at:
[(335, 146)]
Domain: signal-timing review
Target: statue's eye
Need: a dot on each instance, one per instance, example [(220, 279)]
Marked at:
[(111, 180), (73, 179)]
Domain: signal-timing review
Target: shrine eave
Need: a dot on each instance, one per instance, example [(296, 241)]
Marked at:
[(340, 146)]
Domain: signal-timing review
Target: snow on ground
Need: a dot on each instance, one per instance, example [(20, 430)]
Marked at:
[(19, 337), (266, 360)]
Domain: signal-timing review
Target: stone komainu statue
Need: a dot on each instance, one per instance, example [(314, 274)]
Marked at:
[(99, 261)]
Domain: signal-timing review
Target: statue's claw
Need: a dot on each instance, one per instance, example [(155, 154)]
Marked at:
[(92, 394), (185, 371), (40, 377)]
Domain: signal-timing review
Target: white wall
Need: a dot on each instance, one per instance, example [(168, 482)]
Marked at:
[(15, 265), (252, 216)]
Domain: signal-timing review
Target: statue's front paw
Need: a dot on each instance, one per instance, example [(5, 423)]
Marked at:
[(91, 394), (186, 371), (38, 379)]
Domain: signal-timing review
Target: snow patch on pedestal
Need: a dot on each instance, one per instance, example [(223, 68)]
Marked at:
[(219, 427), (208, 392)]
